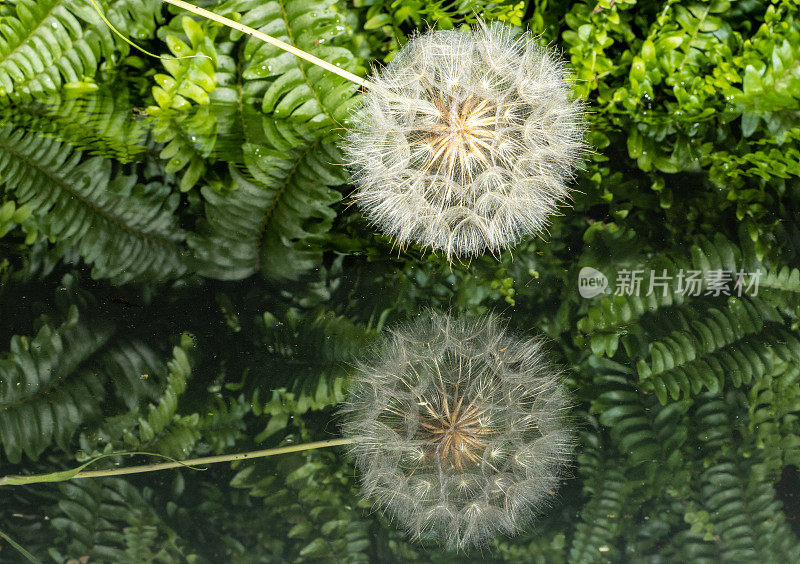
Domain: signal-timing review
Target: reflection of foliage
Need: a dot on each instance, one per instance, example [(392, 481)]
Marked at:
[(111, 520), (153, 198), (58, 379)]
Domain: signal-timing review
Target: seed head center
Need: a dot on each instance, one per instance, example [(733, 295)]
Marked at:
[(461, 140), (455, 433)]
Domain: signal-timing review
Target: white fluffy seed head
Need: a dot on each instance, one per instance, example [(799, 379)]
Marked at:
[(460, 429), (466, 142)]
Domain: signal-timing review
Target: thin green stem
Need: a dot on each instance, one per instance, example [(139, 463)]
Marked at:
[(76, 473)]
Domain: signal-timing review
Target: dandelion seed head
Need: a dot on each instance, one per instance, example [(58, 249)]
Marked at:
[(465, 143), (460, 428)]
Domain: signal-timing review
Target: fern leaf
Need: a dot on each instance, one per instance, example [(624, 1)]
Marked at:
[(51, 42), (159, 428), (774, 418), (126, 231), (224, 425), (744, 514), (36, 372), (304, 369), (275, 218), (296, 89), (56, 381), (110, 520), (310, 497), (192, 78), (601, 518), (725, 344), (99, 123), (641, 430)]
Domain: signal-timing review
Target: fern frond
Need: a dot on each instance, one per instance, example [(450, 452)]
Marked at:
[(602, 517), (640, 429), (47, 43), (616, 318), (110, 520), (158, 428), (296, 89), (310, 498), (189, 139), (192, 78), (774, 419), (56, 381), (274, 220), (304, 368), (745, 517), (725, 344), (224, 423), (125, 230), (624, 318), (100, 123), (39, 404)]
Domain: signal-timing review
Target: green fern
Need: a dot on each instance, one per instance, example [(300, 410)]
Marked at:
[(110, 520), (189, 139), (12, 216), (602, 517), (274, 220), (204, 114), (744, 516), (774, 418), (310, 498), (223, 424), (733, 345), (623, 318), (40, 403), (47, 43), (125, 230), (159, 428), (100, 123), (643, 432), (56, 381), (305, 365), (192, 78), (295, 89)]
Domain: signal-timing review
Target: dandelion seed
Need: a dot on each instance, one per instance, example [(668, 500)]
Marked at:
[(465, 143), (459, 429)]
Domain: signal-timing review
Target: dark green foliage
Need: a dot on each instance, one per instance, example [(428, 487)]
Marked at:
[(43, 401), (143, 201), (63, 377), (311, 502), (305, 361), (273, 219), (124, 229), (110, 520), (100, 123), (602, 517), (158, 428), (740, 509)]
